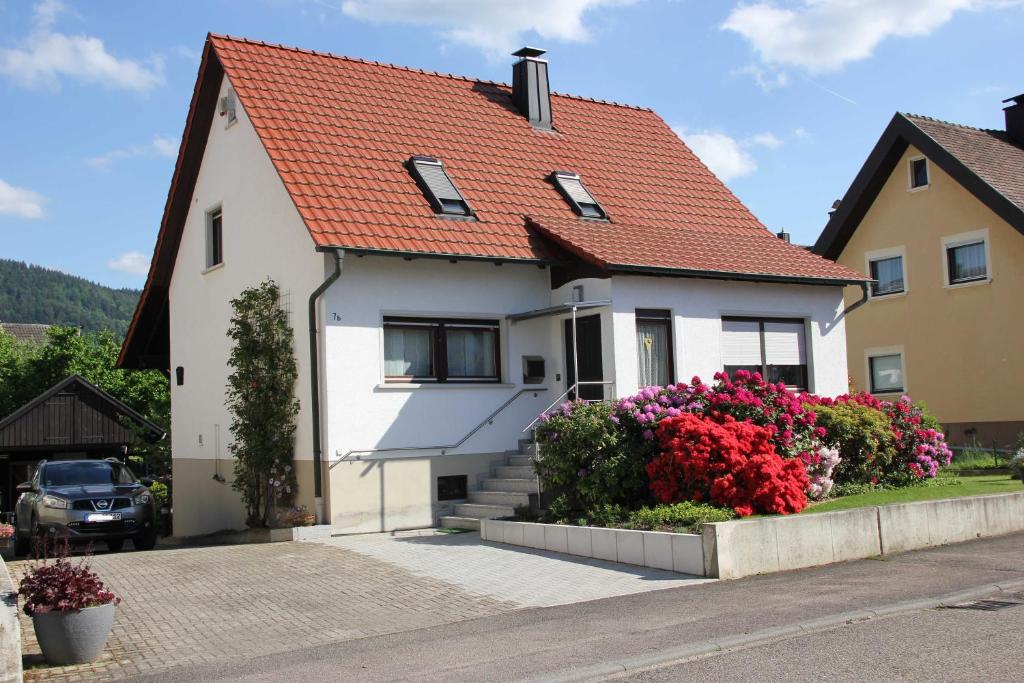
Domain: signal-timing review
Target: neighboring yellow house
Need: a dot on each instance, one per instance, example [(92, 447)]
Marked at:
[(936, 217)]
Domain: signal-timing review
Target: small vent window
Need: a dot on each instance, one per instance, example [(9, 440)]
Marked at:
[(439, 189), (579, 198)]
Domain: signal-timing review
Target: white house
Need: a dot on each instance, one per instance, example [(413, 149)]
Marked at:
[(434, 235)]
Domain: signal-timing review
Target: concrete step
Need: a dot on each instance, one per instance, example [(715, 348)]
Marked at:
[(514, 472), (510, 484), (520, 460), (453, 522), (481, 511), (527, 447), (511, 498)]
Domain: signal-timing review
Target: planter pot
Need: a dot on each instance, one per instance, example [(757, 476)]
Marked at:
[(7, 549), (73, 637)]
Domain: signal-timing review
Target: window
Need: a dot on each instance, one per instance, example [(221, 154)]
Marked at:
[(774, 347), (228, 108), (918, 173), (654, 347), (441, 350), (966, 262), (888, 276), (439, 189), (579, 198), (452, 487), (886, 373), (214, 238)]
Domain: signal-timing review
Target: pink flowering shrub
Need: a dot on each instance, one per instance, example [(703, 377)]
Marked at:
[(819, 466), (6, 531)]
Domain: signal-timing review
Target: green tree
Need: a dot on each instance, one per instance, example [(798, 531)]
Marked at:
[(261, 398)]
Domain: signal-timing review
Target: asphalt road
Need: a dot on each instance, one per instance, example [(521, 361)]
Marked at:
[(592, 639), (932, 645)]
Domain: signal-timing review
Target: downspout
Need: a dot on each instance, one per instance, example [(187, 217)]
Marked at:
[(857, 304), (314, 383)]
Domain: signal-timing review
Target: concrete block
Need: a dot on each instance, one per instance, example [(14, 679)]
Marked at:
[(533, 536), (744, 548), (629, 545), (854, 534), (954, 520), (485, 529), (10, 629), (658, 550), (1002, 514), (512, 533), (903, 527), (579, 540), (556, 538), (688, 554), (803, 541), (603, 544)]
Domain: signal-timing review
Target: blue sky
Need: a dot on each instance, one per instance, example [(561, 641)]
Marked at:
[(783, 99)]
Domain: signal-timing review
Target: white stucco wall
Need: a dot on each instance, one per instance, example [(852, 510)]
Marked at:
[(263, 237), (697, 308)]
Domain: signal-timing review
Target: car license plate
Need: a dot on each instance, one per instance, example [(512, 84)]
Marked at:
[(103, 517)]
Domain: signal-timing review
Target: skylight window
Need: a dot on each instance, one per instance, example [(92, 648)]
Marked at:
[(579, 198), (439, 189)]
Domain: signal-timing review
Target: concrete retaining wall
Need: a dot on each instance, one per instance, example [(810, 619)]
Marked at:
[(10, 630), (683, 553), (761, 546)]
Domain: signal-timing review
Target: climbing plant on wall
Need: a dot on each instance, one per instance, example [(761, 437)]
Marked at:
[(261, 399)]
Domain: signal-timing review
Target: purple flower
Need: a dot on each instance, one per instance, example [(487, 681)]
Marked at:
[(648, 434)]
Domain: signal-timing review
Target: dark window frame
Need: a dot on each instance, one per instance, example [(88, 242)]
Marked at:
[(662, 316), (873, 271), (922, 164), (215, 237), (439, 348), (446, 207), (458, 491), (871, 374), (951, 250), (763, 368), (591, 210)]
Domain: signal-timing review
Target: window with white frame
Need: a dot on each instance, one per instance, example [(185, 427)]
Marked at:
[(887, 273), (918, 169), (774, 347), (441, 350), (885, 372), (214, 238), (966, 258)]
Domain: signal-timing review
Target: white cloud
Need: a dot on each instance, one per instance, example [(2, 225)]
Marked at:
[(17, 201), (494, 26), (132, 262), (726, 156), (821, 36), (160, 146), (46, 56)]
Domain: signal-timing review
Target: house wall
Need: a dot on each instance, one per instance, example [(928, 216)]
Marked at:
[(697, 308), (960, 344), (263, 237)]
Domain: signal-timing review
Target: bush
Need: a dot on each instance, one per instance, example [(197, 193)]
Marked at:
[(687, 516), (584, 459), (1017, 465), (862, 436), (733, 464), (62, 586)]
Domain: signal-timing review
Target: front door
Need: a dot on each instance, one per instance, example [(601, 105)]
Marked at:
[(588, 350)]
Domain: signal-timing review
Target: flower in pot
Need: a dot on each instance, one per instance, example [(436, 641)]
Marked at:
[(6, 544), (297, 516), (72, 611)]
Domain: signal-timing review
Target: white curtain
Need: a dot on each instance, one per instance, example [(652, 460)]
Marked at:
[(407, 352), (889, 273), (652, 351), (741, 342), (470, 353), (887, 373), (968, 262)]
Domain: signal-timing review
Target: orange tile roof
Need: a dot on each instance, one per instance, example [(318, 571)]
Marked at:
[(339, 131)]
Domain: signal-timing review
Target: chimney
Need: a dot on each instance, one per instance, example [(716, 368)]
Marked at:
[(783, 235), (530, 90), (1015, 119)]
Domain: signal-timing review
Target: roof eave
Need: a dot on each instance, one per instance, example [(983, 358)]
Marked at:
[(633, 269)]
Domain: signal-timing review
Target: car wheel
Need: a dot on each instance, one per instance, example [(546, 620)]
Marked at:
[(115, 546), (144, 542)]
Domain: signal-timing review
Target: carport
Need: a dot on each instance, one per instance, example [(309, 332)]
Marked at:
[(72, 419)]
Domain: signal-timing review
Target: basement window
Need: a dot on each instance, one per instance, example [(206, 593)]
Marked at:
[(438, 188), (453, 487), (570, 185)]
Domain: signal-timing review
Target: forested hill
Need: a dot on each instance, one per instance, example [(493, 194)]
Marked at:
[(33, 294)]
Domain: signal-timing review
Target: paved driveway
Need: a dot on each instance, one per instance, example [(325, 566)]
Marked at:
[(199, 605)]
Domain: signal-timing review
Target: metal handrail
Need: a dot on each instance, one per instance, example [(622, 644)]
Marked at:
[(443, 448), (564, 394)]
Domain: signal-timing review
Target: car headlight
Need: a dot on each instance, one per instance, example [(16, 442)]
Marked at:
[(55, 502), (142, 498)]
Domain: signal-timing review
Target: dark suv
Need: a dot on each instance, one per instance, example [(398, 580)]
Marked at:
[(86, 500)]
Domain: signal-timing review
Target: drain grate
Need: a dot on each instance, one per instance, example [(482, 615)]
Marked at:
[(986, 605)]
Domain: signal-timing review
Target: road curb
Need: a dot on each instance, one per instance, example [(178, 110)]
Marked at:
[(693, 650)]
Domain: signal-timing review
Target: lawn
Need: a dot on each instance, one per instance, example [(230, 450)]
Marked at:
[(968, 486)]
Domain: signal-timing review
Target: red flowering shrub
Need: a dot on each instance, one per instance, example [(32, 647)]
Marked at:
[(729, 463)]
